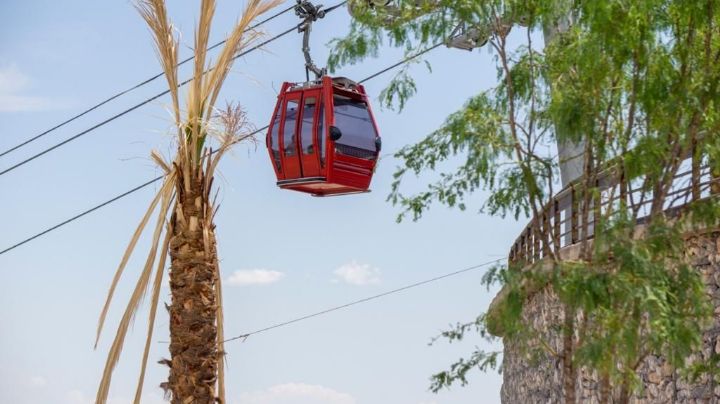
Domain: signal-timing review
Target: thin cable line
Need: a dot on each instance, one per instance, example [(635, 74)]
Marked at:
[(157, 179), (329, 9), (127, 111), (78, 216), (367, 299), (109, 201), (415, 56), (135, 87)]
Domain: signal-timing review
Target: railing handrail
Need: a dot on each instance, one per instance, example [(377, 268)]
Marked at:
[(558, 222)]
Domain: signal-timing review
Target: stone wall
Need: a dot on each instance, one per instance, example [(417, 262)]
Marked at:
[(533, 378)]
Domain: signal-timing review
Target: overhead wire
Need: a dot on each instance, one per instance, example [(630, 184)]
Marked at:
[(78, 216), (414, 56), (150, 182), (127, 111), (149, 100), (135, 87), (364, 300)]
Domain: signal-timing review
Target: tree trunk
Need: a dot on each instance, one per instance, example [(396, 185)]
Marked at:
[(569, 375), (605, 389), (624, 394), (193, 312)]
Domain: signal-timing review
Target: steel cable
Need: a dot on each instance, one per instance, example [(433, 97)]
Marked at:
[(148, 183), (135, 87)]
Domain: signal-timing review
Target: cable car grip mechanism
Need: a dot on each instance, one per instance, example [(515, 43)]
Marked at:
[(309, 13)]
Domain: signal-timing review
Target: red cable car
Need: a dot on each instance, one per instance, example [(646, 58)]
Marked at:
[(323, 139)]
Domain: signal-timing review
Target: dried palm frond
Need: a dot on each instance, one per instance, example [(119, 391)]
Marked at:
[(233, 128), (166, 45), (167, 195), (160, 161), (157, 283), (236, 41), (126, 256), (193, 125)]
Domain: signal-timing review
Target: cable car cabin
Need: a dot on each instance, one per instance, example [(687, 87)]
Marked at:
[(323, 139)]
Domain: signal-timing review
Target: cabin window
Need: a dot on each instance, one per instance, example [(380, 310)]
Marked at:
[(358, 132), (274, 141), (306, 130), (289, 138)]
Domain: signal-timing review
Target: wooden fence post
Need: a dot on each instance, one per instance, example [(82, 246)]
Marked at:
[(556, 225), (536, 239), (574, 216), (695, 179)]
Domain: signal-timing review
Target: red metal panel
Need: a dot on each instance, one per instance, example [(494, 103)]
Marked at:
[(290, 152), (327, 93), (320, 172), (352, 172), (310, 154)]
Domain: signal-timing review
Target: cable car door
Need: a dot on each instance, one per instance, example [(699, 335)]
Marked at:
[(310, 132), (290, 154)]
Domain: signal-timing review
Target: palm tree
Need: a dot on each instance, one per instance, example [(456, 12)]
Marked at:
[(185, 211)]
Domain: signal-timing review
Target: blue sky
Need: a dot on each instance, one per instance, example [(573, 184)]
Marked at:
[(298, 254)]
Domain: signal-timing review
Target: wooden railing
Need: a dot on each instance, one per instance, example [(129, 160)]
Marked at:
[(562, 223)]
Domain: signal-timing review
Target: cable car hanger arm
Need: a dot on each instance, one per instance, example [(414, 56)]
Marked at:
[(311, 13)]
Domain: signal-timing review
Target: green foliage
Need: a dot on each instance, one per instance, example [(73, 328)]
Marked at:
[(402, 86), (478, 132), (356, 46), (478, 359), (636, 82), (641, 297)]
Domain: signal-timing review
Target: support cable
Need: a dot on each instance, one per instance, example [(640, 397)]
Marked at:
[(148, 183), (402, 62), (244, 337), (147, 101), (127, 111), (78, 216), (135, 87)]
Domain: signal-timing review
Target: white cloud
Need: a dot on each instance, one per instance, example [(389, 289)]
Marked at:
[(358, 274), (244, 277), (38, 381), (12, 83), (296, 393)]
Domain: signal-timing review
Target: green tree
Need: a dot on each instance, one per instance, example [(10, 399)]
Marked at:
[(636, 83)]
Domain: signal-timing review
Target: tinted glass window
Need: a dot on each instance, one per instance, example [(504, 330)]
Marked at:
[(306, 128), (321, 134), (274, 141), (289, 137), (358, 133)]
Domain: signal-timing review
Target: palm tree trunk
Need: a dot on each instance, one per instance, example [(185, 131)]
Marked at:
[(193, 312)]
